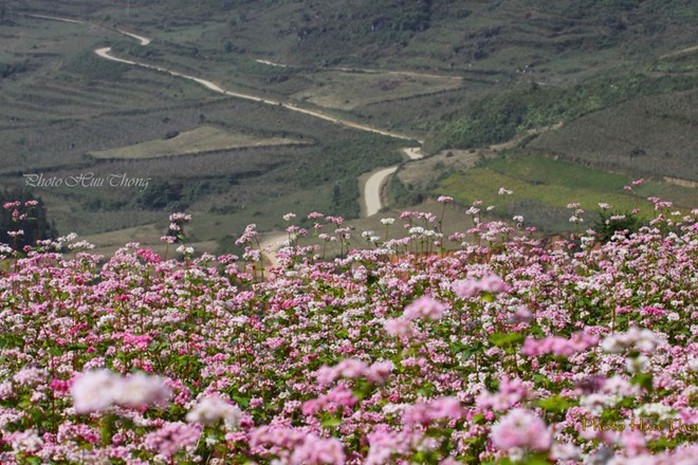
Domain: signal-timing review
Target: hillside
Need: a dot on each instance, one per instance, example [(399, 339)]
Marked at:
[(453, 74)]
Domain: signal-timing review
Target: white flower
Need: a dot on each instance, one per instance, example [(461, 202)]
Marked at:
[(140, 389), (27, 442), (94, 391), (388, 221), (185, 250), (636, 364), (99, 389), (212, 409), (693, 364)]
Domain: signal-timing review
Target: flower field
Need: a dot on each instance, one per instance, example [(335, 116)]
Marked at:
[(500, 351)]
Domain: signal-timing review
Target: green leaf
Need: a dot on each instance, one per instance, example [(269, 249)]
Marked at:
[(554, 404), (502, 339), (331, 422), (241, 400), (642, 379)]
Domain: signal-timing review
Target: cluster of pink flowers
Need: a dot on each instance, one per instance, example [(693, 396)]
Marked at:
[(474, 287), (521, 429), (351, 368), (494, 352), (560, 346)]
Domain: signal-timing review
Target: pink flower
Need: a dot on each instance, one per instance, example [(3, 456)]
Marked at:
[(318, 451), (521, 428), (400, 328), (425, 307), (423, 413), (491, 284), (173, 437)]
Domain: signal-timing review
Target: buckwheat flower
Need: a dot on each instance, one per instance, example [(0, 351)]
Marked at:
[(565, 451), (173, 437), (693, 364), (388, 221), (521, 428), (179, 217), (25, 442), (466, 288), (424, 413), (351, 368), (30, 375), (425, 307), (503, 191), (185, 250), (94, 391), (399, 327), (6, 390), (289, 216), (83, 244), (494, 284), (210, 410), (318, 451), (168, 239), (444, 199), (141, 390), (604, 206), (637, 364), (379, 372)]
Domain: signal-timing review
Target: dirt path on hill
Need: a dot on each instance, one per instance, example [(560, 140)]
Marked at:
[(371, 198), (679, 52)]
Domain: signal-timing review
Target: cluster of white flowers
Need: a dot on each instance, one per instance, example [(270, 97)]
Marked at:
[(596, 403), (212, 409), (642, 340), (663, 412), (100, 389)]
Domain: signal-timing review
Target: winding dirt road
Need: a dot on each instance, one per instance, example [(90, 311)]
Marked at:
[(371, 195)]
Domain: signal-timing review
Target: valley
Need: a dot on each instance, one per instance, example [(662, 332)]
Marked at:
[(243, 134)]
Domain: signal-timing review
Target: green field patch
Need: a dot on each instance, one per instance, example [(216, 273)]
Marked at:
[(555, 184), (349, 90), (199, 140)]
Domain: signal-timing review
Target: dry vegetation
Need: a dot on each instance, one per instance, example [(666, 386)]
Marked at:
[(197, 141)]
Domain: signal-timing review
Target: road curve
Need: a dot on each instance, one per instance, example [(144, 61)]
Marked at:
[(372, 190), (105, 52), (141, 39)]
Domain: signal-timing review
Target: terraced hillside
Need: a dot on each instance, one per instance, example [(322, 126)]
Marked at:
[(455, 74)]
